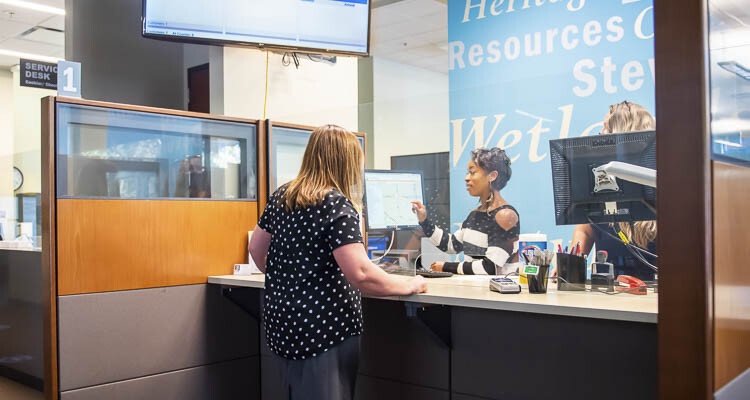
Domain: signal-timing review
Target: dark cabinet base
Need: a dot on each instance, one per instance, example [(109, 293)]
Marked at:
[(501, 355)]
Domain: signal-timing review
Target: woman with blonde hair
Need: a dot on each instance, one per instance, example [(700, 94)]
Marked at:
[(308, 242), (622, 118)]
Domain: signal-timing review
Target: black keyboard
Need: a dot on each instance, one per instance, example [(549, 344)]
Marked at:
[(434, 274)]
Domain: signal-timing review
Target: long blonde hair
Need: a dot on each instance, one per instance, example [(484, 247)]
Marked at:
[(628, 117), (333, 159)]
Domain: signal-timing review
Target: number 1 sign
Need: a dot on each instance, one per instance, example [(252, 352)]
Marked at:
[(68, 79)]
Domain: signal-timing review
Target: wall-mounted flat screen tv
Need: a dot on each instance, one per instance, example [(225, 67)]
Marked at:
[(318, 26)]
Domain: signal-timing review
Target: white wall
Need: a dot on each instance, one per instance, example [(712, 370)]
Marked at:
[(315, 94), (20, 140), (27, 136), (6, 146), (410, 107)]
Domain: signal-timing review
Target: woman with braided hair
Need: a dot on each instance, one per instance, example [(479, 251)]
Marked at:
[(488, 234)]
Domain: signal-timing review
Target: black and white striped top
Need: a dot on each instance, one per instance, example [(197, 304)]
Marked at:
[(483, 241)]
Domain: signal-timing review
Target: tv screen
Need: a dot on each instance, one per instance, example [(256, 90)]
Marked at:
[(330, 26)]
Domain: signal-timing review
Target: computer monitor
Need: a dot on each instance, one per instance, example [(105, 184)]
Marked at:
[(303, 26), (573, 160), (286, 146), (388, 197)]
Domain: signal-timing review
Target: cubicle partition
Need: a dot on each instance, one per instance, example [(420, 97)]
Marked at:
[(140, 205)]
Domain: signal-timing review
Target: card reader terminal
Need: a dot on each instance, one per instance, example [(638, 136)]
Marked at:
[(504, 285)]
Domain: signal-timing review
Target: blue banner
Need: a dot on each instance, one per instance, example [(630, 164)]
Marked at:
[(524, 72)]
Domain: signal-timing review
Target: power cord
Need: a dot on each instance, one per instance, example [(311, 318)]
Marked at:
[(286, 62), (634, 250), (390, 245), (265, 100), (642, 250), (316, 59), (416, 262)]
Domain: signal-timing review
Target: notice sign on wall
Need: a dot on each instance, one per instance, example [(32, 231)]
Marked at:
[(38, 74)]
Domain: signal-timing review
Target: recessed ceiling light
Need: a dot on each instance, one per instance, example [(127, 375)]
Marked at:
[(738, 69), (34, 6), (37, 57)]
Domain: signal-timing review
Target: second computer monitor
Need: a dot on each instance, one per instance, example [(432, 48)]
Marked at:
[(577, 201), (388, 197)]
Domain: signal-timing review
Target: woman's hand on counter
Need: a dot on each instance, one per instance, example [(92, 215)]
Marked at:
[(419, 209), (437, 266), (418, 285), (371, 279)]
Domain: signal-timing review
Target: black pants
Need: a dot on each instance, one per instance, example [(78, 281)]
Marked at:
[(331, 375)]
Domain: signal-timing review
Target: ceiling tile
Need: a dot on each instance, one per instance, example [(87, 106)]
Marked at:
[(736, 10), (387, 16), (28, 46), (46, 36), (421, 39), (402, 31), (55, 22), (407, 10), (412, 32), (419, 8), (24, 15), (52, 3), (10, 29)]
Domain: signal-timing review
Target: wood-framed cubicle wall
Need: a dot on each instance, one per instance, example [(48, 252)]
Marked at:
[(98, 246), (703, 218)]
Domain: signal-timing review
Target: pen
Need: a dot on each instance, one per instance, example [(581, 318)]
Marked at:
[(578, 249), (566, 249), (559, 248)]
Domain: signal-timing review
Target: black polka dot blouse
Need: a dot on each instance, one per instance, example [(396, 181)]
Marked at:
[(309, 305)]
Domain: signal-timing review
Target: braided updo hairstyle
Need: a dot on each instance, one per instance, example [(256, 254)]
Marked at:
[(494, 159)]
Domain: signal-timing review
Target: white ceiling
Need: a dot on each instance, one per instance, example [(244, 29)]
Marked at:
[(412, 32), (30, 31)]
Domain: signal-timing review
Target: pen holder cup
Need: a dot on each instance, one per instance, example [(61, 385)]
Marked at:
[(572, 270), (538, 282)]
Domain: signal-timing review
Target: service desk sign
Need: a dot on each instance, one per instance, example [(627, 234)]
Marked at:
[(38, 74)]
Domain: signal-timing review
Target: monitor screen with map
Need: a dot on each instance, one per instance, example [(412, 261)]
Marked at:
[(388, 197)]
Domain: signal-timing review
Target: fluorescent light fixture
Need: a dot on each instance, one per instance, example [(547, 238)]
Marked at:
[(727, 143), (737, 68), (725, 126), (36, 57), (34, 6)]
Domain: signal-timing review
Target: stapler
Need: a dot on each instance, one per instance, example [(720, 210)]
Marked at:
[(635, 285)]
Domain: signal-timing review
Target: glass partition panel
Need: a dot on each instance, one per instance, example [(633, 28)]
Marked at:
[(286, 146), (730, 82), (113, 153)]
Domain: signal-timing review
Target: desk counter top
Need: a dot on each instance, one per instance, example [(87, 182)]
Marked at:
[(473, 291)]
